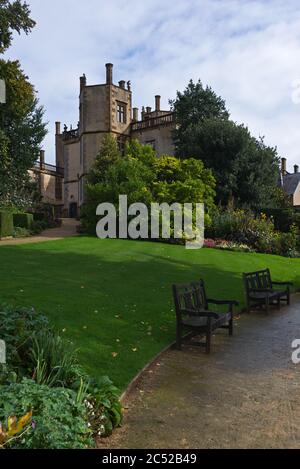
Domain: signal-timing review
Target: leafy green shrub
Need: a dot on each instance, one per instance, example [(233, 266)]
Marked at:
[(53, 360), (283, 218), (17, 326), (146, 179), (23, 220), (39, 226), (6, 224), (257, 232), (21, 232), (104, 407), (59, 419), (35, 351), (44, 212)]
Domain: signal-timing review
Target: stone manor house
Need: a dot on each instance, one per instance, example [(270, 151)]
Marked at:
[(103, 109), (107, 109)]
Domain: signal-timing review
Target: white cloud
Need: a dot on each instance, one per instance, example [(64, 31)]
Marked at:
[(248, 51)]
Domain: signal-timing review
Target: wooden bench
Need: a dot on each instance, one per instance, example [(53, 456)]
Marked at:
[(193, 314), (260, 290)]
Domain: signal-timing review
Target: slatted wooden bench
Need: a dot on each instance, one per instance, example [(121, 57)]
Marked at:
[(194, 316), (260, 291)]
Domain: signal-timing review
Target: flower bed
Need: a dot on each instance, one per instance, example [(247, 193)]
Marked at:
[(46, 400), (227, 245), (242, 230)]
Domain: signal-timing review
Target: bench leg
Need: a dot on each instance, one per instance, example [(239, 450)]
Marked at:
[(178, 338), (288, 297), (267, 305), (278, 302), (208, 336), (208, 342), (231, 327)]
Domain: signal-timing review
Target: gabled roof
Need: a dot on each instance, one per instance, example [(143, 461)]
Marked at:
[(290, 183)]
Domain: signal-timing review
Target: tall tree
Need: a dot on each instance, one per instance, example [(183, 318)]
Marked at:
[(108, 155), (21, 118), (246, 169), (14, 17), (195, 105), (22, 133)]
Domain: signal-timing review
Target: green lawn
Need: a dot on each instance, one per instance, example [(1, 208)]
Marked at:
[(114, 297)]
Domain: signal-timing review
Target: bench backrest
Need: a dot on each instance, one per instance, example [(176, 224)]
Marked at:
[(191, 296), (257, 280)]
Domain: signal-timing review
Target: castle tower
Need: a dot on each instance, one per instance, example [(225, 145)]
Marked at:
[(103, 109)]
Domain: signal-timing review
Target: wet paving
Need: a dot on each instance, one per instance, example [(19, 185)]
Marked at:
[(245, 394)]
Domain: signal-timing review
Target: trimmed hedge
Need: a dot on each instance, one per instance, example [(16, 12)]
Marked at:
[(6, 225), (23, 220)]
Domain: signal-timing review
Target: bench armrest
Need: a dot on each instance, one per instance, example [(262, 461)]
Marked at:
[(283, 283), (200, 313), (223, 302)]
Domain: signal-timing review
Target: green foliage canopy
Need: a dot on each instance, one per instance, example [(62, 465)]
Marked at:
[(21, 134), (144, 178), (246, 169), (14, 17)]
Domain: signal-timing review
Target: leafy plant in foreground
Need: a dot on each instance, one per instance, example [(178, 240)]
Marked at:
[(59, 421)]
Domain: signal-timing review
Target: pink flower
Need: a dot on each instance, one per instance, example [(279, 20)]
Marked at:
[(209, 243)]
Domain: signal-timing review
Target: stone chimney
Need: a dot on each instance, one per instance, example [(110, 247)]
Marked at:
[(148, 109), (296, 169), (283, 166), (82, 82), (157, 103), (57, 128), (135, 114), (122, 84), (109, 74), (42, 159)]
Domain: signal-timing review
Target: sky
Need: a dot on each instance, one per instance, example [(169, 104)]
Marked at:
[(248, 51)]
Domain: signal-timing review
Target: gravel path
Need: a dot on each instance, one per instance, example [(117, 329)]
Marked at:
[(67, 229)]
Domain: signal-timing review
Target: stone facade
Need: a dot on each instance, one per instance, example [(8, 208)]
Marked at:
[(50, 181), (106, 109)]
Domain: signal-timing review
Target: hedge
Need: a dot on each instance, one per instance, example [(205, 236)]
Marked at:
[(6, 224), (23, 220)]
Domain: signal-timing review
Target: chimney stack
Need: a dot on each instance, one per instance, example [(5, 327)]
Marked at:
[(122, 84), (82, 82), (135, 114), (296, 169), (109, 74), (57, 128), (148, 109), (42, 159), (283, 166), (157, 103)]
